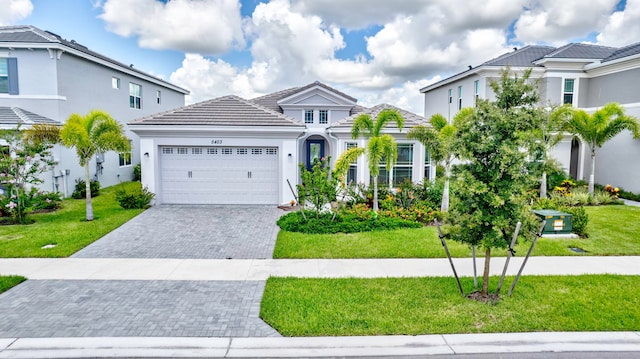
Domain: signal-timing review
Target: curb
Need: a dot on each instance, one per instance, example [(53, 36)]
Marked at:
[(118, 347)]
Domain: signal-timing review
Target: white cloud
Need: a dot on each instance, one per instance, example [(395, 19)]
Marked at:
[(14, 11), (203, 26), (557, 22), (622, 27), (406, 96)]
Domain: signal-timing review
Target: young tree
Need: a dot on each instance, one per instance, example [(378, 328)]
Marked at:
[(380, 147), (95, 132), (21, 165), (598, 128), (490, 190), (548, 132), (439, 141)]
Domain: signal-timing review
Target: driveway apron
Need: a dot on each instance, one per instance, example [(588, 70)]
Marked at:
[(192, 232), (105, 308)]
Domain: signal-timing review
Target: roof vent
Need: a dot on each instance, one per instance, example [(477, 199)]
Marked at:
[(131, 65), (515, 49), (470, 67)]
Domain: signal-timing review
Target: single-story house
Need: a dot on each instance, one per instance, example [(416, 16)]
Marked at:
[(231, 150)]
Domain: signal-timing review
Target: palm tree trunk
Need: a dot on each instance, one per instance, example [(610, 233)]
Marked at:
[(485, 276), (444, 207), (89, 207), (375, 193), (592, 179), (543, 185)]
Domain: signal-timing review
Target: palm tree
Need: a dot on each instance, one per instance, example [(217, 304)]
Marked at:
[(95, 132), (545, 136), (598, 128), (439, 142), (380, 147)]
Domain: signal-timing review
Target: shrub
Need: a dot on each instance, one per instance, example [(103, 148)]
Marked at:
[(430, 192), (80, 189), (579, 219), (345, 223), (46, 201), (318, 188), (136, 198), (137, 172)]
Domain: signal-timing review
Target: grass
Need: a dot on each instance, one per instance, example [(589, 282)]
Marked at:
[(613, 230), (66, 227), (7, 282), (412, 306)]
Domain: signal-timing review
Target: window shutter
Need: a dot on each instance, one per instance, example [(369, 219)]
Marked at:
[(12, 67)]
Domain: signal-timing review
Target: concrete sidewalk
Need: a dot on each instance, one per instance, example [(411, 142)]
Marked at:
[(319, 346), (261, 269)]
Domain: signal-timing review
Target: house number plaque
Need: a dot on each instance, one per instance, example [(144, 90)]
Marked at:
[(216, 142)]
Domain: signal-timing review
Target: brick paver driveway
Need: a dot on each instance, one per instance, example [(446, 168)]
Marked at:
[(103, 308), (205, 232)]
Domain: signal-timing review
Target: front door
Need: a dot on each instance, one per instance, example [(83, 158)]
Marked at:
[(315, 152)]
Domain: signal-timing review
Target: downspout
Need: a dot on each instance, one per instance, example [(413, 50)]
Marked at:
[(333, 160)]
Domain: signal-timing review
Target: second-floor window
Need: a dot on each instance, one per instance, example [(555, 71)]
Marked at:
[(308, 116), (9, 75), (450, 96), (135, 96), (115, 82), (158, 96), (323, 117), (459, 97), (568, 91)]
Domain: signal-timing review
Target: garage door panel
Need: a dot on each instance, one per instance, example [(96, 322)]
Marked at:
[(206, 175)]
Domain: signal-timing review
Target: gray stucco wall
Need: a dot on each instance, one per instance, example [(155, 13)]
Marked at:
[(57, 88), (622, 87)]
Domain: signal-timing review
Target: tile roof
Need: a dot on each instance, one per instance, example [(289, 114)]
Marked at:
[(223, 111), (522, 57), (15, 115), (633, 49), (270, 101), (410, 118), (581, 51), (32, 34)]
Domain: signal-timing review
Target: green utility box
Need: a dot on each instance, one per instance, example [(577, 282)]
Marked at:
[(557, 222)]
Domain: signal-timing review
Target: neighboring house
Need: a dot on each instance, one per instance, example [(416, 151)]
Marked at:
[(230, 150), (585, 76), (44, 74)]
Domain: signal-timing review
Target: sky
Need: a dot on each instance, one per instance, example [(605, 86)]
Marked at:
[(378, 51)]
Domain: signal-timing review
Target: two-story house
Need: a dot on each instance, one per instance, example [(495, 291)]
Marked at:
[(585, 76), (49, 77), (230, 150)]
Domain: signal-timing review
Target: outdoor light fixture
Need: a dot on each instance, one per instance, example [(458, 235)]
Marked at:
[(146, 154)]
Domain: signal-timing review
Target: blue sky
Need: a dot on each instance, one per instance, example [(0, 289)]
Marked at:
[(375, 50)]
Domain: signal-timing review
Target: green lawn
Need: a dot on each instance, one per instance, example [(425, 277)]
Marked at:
[(7, 282), (66, 228), (411, 306), (613, 230)]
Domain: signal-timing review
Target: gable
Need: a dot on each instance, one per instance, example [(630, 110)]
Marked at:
[(317, 94), (317, 99)]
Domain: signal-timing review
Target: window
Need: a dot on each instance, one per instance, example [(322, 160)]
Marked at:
[(124, 158), (242, 151), (9, 75), (459, 97), (135, 93), (308, 116), (256, 151), (227, 151), (158, 95), (196, 151), (115, 82), (182, 151), (450, 96), (272, 151), (403, 169), (352, 174), (568, 91), (427, 165), (167, 151), (212, 151), (323, 118), (476, 89)]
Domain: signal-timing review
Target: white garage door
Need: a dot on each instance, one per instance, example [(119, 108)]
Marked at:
[(219, 175)]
